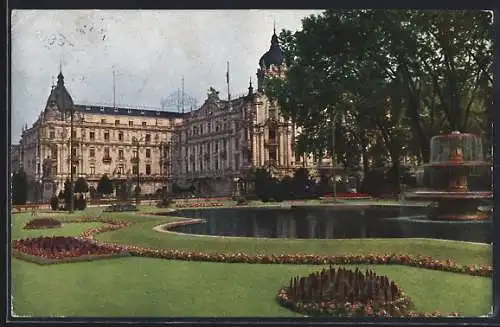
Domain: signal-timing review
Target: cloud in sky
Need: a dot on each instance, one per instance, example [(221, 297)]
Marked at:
[(149, 50)]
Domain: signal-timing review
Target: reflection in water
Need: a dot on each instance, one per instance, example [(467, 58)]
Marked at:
[(329, 223)]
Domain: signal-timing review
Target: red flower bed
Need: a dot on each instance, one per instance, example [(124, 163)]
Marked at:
[(60, 247), (199, 205), (42, 223)]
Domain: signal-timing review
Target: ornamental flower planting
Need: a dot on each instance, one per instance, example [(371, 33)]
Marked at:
[(417, 261), (60, 247), (345, 293), (42, 223), (348, 195), (199, 205), (111, 225)]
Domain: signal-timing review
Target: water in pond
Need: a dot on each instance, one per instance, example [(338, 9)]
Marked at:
[(326, 222)]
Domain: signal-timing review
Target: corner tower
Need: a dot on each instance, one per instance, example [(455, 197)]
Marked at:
[(60, 101), (271, 64)]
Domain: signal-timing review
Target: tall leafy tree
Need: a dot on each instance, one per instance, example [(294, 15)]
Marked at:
[(19, 187), (81, 185), (105, 185), (396, 76)]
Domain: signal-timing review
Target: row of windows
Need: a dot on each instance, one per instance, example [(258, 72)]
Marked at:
[(120, 153), (198, 129), (217, 164), (119, 170), (117, 122), (206, 145), (147, 138)]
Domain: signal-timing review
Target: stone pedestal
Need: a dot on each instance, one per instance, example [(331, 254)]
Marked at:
[(48, 189)]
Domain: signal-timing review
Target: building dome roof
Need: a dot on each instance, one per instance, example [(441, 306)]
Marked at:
[(274, 56), (60, 96)]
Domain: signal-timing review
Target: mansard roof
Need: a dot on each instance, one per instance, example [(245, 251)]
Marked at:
[(132, 112)]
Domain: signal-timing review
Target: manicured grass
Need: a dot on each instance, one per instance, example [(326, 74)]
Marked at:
[(142, 234), (155, 287), (149, 287)]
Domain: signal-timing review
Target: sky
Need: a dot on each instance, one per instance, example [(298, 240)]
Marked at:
[(150, 52)]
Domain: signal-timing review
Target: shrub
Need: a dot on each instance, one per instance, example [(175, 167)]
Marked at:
[(120, 208), (166, 202), (241, 201), (80, 203), (54, 203)]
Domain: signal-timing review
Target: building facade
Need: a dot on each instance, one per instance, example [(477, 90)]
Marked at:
[(106, 141), (211, 149), (218, 144), (15, 158)]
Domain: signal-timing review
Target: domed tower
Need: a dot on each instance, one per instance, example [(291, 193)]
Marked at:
[(59, 102), (271, 64)]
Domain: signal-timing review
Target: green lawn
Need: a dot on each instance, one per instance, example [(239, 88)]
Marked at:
[(155, 287), (135, 286)]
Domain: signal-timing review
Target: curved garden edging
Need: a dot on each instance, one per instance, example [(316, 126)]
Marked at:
[(401, 259), (240, 257)]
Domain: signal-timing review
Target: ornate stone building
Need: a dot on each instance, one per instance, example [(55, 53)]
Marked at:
[(217, 144), (103, 143), (211, 149)]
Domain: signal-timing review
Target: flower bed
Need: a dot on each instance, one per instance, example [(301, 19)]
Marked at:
[(46, 261), (62, 247), (308, 259), (42, 223), (120, 208), (347, 293), (348, 195), (199, 205), (398, 259)]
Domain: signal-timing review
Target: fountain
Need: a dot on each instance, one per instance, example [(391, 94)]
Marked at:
[(452, 157)]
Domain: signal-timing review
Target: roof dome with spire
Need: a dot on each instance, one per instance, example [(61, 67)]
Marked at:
[(274, 56), (59, 96)]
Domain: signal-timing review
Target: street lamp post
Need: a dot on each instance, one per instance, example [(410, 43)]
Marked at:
[(71, 161), (334, 186), (136, 142)]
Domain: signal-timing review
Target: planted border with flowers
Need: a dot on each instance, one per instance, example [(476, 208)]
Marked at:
[(311, 259), (397, 259), (42, 223), (347, 293), (199, 205)]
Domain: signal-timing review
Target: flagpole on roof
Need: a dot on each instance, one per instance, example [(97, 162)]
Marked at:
[(228, 86)]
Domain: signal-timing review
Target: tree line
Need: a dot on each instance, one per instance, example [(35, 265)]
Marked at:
[(386, 81)]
